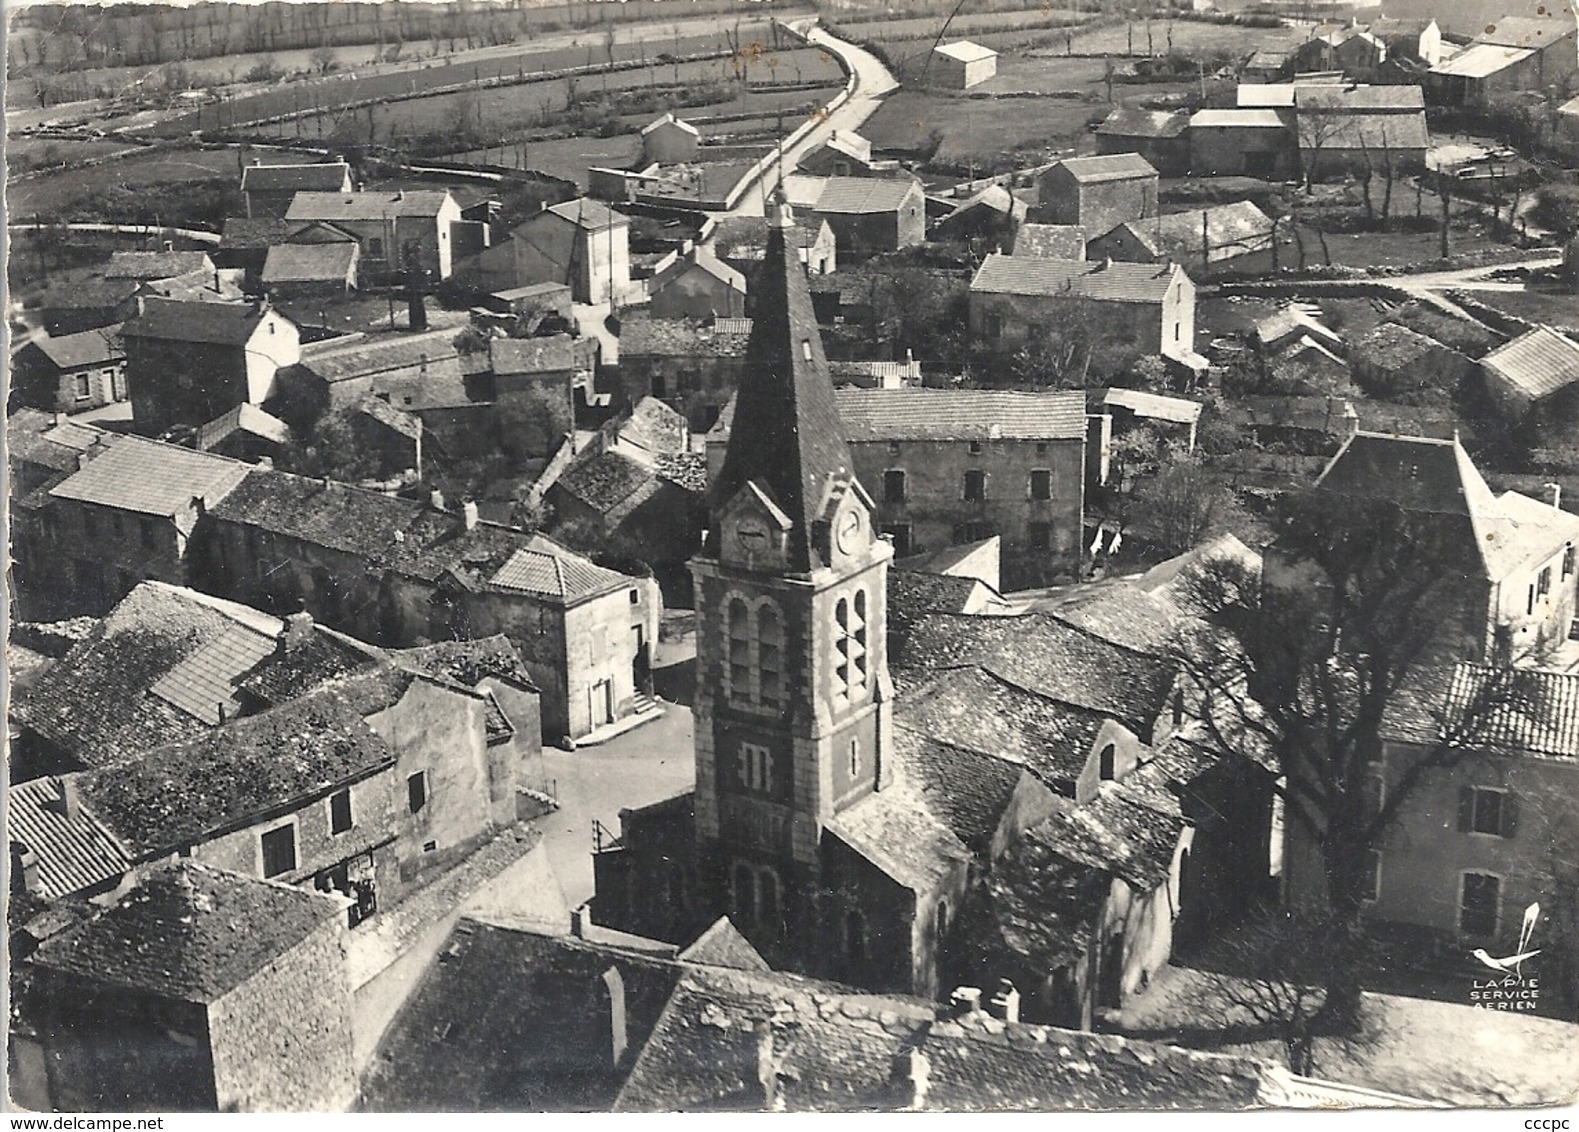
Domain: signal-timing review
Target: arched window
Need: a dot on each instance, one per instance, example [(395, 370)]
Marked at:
[(770, 656), (739, 662), (1105, 763), (942, 920), (841, 668), (854, 936), (1178, 707), (745, 895), (855, 758), (858, 653)]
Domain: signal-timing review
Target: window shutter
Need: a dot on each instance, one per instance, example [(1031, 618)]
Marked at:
[(1510, 813), (1466, 809)]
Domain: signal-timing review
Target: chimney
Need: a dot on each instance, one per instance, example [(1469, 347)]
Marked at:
[(580, 920), (1005, 1004), (912, 1077), (297, 631), (436, 499), (67, 802), (965, 1002), (216, 281), (767, 1067), (24, 868), (400, 194), (257, 161), (469, 513), (1557, 495), (614, 1000)]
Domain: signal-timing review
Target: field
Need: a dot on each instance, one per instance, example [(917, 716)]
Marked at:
[(23, 153), (1561, 311), (1187, 37), (979, 130)]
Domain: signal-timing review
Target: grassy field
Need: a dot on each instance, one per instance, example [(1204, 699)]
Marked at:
[(23, 153), (1561, 311), (1186, 37), (979, 129)]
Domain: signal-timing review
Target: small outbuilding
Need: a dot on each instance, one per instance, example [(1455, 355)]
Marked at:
[(963, 65)]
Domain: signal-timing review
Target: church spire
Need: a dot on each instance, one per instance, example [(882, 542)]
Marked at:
[(786, 436)]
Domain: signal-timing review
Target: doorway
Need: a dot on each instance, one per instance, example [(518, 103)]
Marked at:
[(602, 703)]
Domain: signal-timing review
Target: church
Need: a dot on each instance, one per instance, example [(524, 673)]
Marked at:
[(952, 842)]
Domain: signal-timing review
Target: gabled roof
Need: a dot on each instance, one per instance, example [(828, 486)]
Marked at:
[(189, 933), (381, 355), (786, 436), (309, 263), (670, 120), (1137, 122), (1526, 712), (545, 567), (966, 51), (722, 945), (1482, 60), (551, 354), (150, 478), (584, 212), (247, 232), (1363, 130), (604, 480), (895, 831), (467, 662), (75, 853), (196, 320), (323, 177), (1290, 320), (1050, 241), (1107, 167), (243, 418), (865, 195), (156, 265), (334, 206), (959, 414), (1537, 363), (681, 338), (1256, 119), (1154, 406), (1109, 282), (380, 410), (700, 259), (1527, 31), (1178, 235), (1321, 98), (89, 348)]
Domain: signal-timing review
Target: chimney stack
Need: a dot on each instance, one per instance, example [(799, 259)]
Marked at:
[(216, 281), (297, 631), (436, 499), (965, 1002), (169, 245), (266, 463), (68, 803), (24, 868), (1005, 1005), (469, 513)]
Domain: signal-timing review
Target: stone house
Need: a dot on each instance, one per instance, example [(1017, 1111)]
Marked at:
[(248, 1008), (1512, 54), (1391, 360), (871, 215), (963, 64), (1150, 306), (401, 368), (1535, 378), (845, 154), (244, 244), (1196, 238), (189, 361), (1418, 40), (669, 141), (151, 267), (244, 433), (698, 285), (1245, 141), (404, 230), (1098, 193), (1342, 129), (1050, 241), (582, 243), (694, 368), (1159, 136), (269, 189), (741, 242), (71, 373), (539, 386), (295, 271)]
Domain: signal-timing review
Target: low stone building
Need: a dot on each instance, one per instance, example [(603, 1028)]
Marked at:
[(404, 230), (698, 285), (845, 154), (244, 433), (71, 373), (1393, 361), (538, 386), (668, 140), (269, 189), (1159, 136), (1535, 378), (1197, 238), (963, 64), (871, 215), (1245, 141), (1098, 193), (693, 368), (294, 271)]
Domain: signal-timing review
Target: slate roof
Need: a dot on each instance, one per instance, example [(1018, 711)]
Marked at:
[(243, 418), (467, 663), (1113, 282), (314, 659), (1378, 132), (1241, 119), (310, 263), (332, 206), (1240, 226), (679, 338), (895, 831), (912, 592), (702, 260), (584, 212), (960, 414), (1137, 122), (407, 424), (966, 51), (247, 232), (100, 347), (1322, 97), (228, 777), (1107, 167), (968, 791), (722, 945), (195, 320), (1272, 330), (687, 470), (1154, 406), (1527, 31), (1050, 241), (156, 265), (605, 480), (509, 1020), (322, 177), (152, 478), (189, 933), (786, 436), (1482, 60), (1537, 363), (1393, 346), (865, 195), (1037, 906), (75, 854), (532, 355)]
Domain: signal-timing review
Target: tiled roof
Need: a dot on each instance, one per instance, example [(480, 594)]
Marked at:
[(156, 265), (604, 480), (1240, 226), (309, 263), (1344, 97), (243, 418), (1519, 712), (544, 567), (1107, 167), (1050, 241), (1390, 345), (1154, 406), (967, 790), (687, 470), (467, 662), (1528, 31), (223, 778), (1136, 122), (703, 260), (246, 232), (74, 854), (722, 945), (324, 177), (334, 206), (151, 478), (865, 195), (1537, 363), (584, 212), (1107, 282), (195, 320), (1037, 906), (407, 424), (506, 1021), (1114, 832), (381, 355), (532, 355), (1379, 132), (203, 685), (896, 831), (959, 414), (678, 338), (1482, 60), (189, 933), (966, 51), (98, 347), (1238, 119), (313, 659)]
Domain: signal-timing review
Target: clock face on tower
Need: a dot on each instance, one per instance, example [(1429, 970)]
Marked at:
[(751, 535), (848, 531)]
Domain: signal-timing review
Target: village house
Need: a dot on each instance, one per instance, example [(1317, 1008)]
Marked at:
[(400, 231), (269, 189), (71, 373), (1417, 40), (154, 266), (391, 436), (845, 154), (1244, 141), (697, 285), (244, 433), (1197, 238), (669, 141), (692, 367), (991, 215), (1050, 241), (963, 64), (1512, 54), (1346, 129), (1149, 306), (742, 241), (402, 368), (244, 244), (1392, 360), (398, 572), (538, 385), (582, 243), (1158, 136), (187, 361), (871, 215), (88, 305), (1520, 599), (1098, 193), (1535, 379), (1268, 66), (295, 271)]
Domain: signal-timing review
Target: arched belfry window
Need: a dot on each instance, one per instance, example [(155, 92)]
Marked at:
[(738, 664), (851, 661), (770, 656)]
